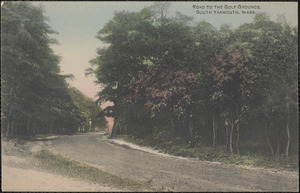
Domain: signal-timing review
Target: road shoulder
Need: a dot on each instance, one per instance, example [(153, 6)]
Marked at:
[(19, 175)]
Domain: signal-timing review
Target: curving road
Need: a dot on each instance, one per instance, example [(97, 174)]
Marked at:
[(169, 173)]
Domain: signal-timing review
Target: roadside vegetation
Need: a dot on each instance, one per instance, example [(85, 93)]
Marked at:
[(62, 165), (185, 87), (192, 89), (35, 97), (179, 147), (56, 163)]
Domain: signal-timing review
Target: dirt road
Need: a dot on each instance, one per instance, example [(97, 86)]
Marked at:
[(17, 174), (28, 180), (167, 172)]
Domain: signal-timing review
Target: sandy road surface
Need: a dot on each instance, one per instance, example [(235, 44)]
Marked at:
[(18, 175), (166, 172), (18, 179)]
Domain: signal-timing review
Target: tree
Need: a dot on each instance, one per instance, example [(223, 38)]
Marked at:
[(168, 73), (233, 78), (93, 116), (159, 12), (208, 42), (129, 46), (164, 88), (275, 72), (33, 94), (136, 43)]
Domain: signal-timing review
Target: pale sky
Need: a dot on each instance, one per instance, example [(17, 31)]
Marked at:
[(78, 23)]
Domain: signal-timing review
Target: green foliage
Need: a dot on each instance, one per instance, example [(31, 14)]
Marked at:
[(162, 141), (244, 86), (34, 97), (92, 115)]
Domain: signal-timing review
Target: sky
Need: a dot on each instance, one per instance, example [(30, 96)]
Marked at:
[(78, 22)]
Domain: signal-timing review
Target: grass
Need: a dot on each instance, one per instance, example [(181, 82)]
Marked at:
[(179, 147), (62, 165), (15, 147)]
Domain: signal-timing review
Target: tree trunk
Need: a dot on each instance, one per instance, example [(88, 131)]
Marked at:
[(288, 130), (191, 130), (172, 122), (51, 128), (34, 128), (119, 128), (8, 128), (231, 134), (8, 122), (238, 138), (3, 124), (92, 126), (268, 140), (237, 130), (28, 127), (113, 132), (226, 135), (278, 142), (12, 133), (214, 132)]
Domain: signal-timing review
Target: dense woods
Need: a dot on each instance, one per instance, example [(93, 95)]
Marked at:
[(167, 76), (35, 98), (231, 88)]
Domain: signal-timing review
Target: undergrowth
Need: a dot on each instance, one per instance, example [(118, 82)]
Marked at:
[(179, 147), (62, 165)]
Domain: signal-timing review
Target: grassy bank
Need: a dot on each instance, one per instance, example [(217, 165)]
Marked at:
[(56, 163), (179, 147)]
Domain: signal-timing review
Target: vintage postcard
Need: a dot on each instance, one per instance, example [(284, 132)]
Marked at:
[(149, 96)]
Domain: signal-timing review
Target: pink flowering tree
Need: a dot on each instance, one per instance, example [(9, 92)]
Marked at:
[(163, 88)]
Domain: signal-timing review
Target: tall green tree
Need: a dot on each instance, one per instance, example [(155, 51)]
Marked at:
[(127, 35), (33, 93), (233, 79), (241, 77), (274, 46), (93, 116)]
